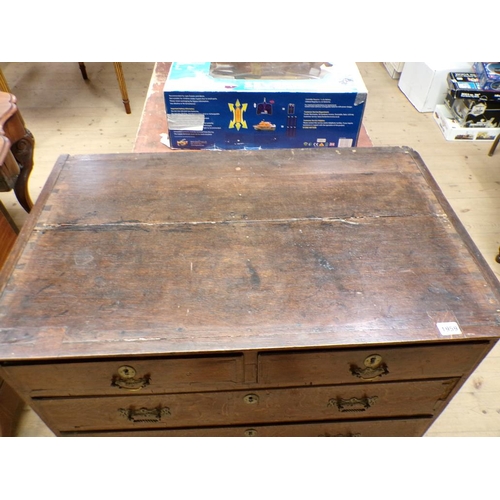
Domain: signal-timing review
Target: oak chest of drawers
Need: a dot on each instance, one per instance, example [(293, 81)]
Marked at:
[(244, 293)]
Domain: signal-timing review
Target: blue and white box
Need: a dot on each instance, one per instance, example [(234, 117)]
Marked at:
[(264, 105)]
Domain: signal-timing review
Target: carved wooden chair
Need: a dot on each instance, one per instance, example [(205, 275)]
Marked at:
[(16, 163), (16, 151)]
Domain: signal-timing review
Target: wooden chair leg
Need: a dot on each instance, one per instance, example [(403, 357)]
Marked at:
[(21, 188), (494, 145), (123, 86), (121, 82), (83, 70), (3, 83), (23, 151)]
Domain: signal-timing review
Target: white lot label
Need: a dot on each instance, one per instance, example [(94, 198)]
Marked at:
[(450, 328)]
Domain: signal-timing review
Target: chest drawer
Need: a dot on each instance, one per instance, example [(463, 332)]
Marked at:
[(140, 375), (242, 407), (343, 366), (358, 428)]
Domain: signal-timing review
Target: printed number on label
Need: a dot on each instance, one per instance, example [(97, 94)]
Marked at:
[(450, 328)]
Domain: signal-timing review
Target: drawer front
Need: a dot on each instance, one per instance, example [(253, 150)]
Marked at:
[(369, 428), (343, 366), (134, 376), (243, 407)]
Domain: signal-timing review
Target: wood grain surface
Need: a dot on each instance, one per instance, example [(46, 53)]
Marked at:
[(159, 253)]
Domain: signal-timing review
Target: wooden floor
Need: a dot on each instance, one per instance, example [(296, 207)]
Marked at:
[(68, 115)]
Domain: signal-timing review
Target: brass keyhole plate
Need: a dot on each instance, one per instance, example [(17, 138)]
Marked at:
[(373, 361), (126, 372), (251, 399)]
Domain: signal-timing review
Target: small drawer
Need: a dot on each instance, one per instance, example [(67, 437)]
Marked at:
[(341, 366), (361, 428), (207, 409), (130, 376)]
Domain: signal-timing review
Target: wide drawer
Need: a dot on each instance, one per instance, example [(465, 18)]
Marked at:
[(142, 375), (341, 366), (244, 407), (360, 428)]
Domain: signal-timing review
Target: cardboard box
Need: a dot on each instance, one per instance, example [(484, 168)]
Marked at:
[(452, 131), (264, 105), (474, 113), (489, 75), (424, 84), (468, 81), (466, 86)]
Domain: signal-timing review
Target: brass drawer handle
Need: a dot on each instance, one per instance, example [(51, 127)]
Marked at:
[(374, 367), (144, 415), (126, 379), (353, 404), (250, 432)]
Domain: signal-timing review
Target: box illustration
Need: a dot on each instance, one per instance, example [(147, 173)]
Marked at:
[(489, 75), (474, 112), (264, 105)]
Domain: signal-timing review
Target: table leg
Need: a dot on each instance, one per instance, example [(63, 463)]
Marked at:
[(123, 86), (494, 145)]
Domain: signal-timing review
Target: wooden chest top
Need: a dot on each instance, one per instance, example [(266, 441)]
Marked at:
[(236, 250)]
